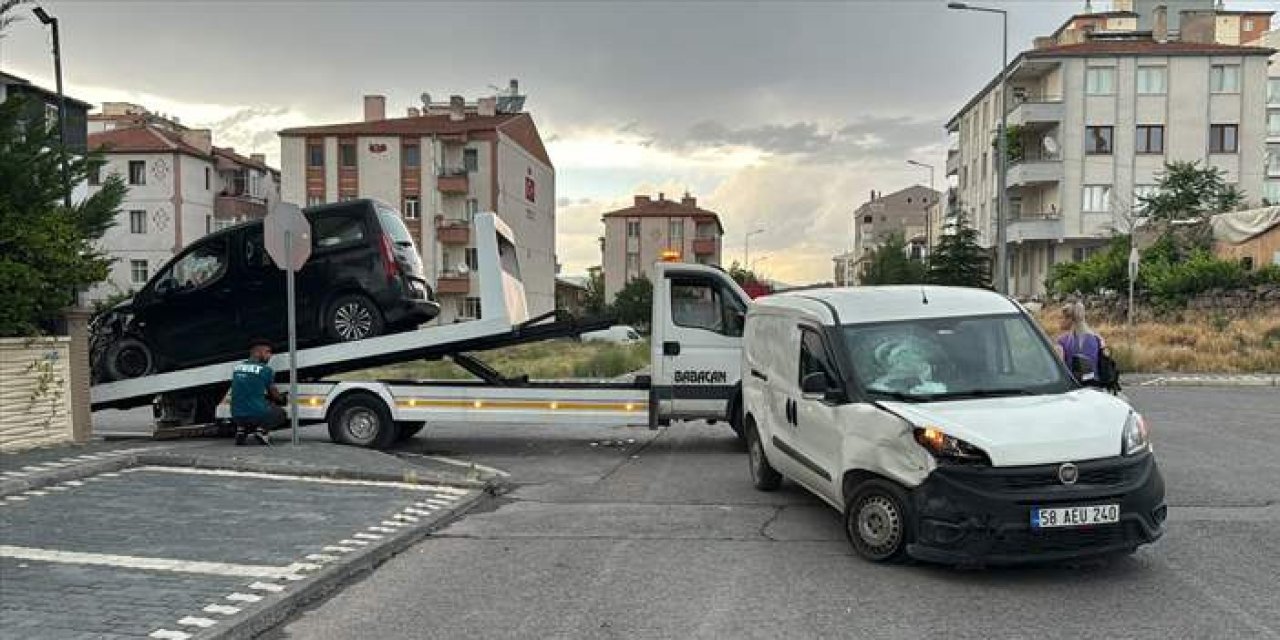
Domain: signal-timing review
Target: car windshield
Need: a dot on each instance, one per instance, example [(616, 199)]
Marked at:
[(953, 358)]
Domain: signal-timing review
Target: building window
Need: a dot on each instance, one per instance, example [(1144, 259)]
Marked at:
[(412, 156), (138, 272), (315, 155), (347, 154), (346, 198), (1222, 138), (471, 258), (1224, 78), (137, 172), (1097, 140), (1271, 194), (95, 174), (675, 234), (469, 308), (1152, 80), (1248, 24), (1141, 191), (473, 207), (470, 160), (633, 228), (1273, 122), (1150, 138), (633, 266), (1100, 81), (1273, 162), (208, 179), (412, 207), (315, 201), (1273, 90), (1097, 198), (137, 221)]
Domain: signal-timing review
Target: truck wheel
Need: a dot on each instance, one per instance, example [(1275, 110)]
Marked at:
[(353, 317), (363, 420), (407, 430), (763, 475), (877, 521), (129, 358)]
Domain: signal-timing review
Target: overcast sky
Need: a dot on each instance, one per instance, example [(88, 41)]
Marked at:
[(780, 116)]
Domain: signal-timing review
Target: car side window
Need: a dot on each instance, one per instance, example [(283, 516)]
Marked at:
[(813, 357), (196, 269), (337, 231), (255, 254), (703, 304)]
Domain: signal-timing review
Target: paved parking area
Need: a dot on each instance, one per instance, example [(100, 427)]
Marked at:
[(165, 552)]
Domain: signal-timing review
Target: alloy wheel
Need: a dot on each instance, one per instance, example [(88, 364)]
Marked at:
[(353, 321)]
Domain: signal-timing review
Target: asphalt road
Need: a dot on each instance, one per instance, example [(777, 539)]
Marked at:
[(665, 538)]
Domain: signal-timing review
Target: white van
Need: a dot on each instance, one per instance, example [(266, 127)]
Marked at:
[(942, 424), (617, 334)]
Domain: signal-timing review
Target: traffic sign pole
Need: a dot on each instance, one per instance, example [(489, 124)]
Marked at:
[(291, 298), (287, 239)]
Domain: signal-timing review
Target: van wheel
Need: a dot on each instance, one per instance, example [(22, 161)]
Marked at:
[(353, 317), (877, 521), (763, 475), (362, 420), (129, 358), (407, 430), (735, 418)]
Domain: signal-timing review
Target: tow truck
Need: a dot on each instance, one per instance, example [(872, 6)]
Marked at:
[(695, 364)]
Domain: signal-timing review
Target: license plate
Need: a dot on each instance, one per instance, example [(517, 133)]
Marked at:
[(1048, 518)]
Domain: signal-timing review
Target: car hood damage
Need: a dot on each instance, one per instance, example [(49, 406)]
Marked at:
[(1028, 430)]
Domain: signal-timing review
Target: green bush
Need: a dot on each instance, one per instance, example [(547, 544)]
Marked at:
[(1269, 274), (1174, 282), (1105, 270)]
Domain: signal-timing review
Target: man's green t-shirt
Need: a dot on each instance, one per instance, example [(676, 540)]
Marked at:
[(249, 386)]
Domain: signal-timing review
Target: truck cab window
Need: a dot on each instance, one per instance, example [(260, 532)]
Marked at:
[(704, 304), (813, 357)]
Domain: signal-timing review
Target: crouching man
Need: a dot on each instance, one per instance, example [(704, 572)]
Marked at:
[(255, 402)]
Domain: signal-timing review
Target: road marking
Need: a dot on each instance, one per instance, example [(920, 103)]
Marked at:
[(58, 487), (32, 469), (224, 609), (56, 465), (244, 597), (304, 566), (337, 549), (166, 634), (35, 492), (438, 503), (14, 474), (73, 483), (111, 475), (391, 523), (192, 621), (359, 543), (367, 536), (267, 586), (152, 564), (419, 512), (14, 498), (405, 517), (292, 478), (320, 557), (384, 529)]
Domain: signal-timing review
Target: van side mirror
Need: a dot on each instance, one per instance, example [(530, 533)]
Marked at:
[(815, 384)]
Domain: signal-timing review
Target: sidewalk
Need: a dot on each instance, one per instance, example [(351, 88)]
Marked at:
[(1201, 380), (203, 539)]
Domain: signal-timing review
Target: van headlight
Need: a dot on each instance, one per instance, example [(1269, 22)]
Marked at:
[(1135, 438), (949, 449)]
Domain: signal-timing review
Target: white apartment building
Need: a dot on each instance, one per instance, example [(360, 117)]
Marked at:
[(1098, 109), (1271, 187), (637, 237), (181, 187), (440, 165)]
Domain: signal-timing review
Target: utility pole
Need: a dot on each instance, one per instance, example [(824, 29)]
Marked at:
[(928, 217), (52, 23), (746, 248)]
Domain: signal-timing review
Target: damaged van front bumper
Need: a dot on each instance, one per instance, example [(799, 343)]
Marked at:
[(984, 515)]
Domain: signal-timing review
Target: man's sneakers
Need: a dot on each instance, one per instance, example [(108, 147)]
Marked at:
[(257, 436)]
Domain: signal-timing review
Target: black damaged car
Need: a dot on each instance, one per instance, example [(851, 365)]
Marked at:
[(364, 279)]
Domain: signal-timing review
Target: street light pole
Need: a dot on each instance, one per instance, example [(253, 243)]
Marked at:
[(928, 218), (52, 23), (746, 248), (1002, 262)]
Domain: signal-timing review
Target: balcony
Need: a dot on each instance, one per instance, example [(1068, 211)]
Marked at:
[(452, 231), (239, 207), (1034, 171), (953, 162), (453, 283), (1024, 225), (704, 246), (1028, 111), (453, 182)]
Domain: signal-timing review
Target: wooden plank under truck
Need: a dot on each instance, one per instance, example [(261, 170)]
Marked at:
[(695, 371)]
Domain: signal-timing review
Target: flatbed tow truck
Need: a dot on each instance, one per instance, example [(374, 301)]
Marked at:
[(695, 362)]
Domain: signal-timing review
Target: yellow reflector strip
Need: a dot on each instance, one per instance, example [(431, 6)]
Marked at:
[(555, 405)]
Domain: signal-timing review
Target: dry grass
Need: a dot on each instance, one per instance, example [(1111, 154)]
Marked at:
[(1192, 342), (548, 360)]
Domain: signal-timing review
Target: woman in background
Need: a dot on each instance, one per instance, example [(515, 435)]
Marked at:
[(1079, 346)]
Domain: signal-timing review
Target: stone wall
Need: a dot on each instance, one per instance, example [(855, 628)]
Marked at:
[(35, 392), (1263, 298)]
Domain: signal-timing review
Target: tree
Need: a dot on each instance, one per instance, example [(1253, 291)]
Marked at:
[(594, 301), (1186, 191), (47, 252), (888, 264), (741, 275), (958, 260), (634, 303)]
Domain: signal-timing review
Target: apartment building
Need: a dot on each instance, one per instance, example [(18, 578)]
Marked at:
[(181, 187), (906, 212), (656, 229), (1271, 172), (1095, 111), (44, 103), (441, 164)]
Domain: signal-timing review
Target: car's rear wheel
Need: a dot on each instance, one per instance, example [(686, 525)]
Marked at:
[(129, 358), (877, 521), (763, 475), (363, 420), (353, 317)]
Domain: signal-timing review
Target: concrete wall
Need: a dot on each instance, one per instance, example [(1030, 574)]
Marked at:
[(293, 170), (379, 171), (35, 393)]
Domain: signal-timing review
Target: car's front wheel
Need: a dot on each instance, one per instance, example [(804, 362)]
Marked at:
[(763, 475), (353, 317), (128, 358), (877, 521)]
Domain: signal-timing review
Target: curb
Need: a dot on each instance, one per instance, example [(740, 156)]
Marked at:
[(10, 486), (1211, 381), (277, 609)]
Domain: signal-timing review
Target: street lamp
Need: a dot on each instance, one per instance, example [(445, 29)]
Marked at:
[(928, 219), (1002, 265), (758, 261), (746, 247), (52, 22)]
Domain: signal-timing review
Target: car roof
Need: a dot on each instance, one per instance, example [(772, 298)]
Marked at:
[(860, 305)]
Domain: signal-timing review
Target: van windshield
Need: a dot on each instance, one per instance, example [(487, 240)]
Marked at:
[(954, 358)]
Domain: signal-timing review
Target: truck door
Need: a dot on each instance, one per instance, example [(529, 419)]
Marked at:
[(697, 341)]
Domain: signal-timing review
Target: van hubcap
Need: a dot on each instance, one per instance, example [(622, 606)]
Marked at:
[(361, 424), (757, 455), (353, 321), (879, 524)]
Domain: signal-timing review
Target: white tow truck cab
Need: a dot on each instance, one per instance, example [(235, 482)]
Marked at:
[(942, 425)]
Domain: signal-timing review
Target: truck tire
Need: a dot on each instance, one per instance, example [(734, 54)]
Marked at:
[(878, 522), (128, 358), (407, 430), (363, 420), (763, 475)]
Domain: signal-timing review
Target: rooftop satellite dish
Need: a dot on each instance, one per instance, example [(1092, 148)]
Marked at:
[(1050, 146)]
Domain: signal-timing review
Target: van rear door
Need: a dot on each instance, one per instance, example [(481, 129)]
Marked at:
[(698, 314)]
